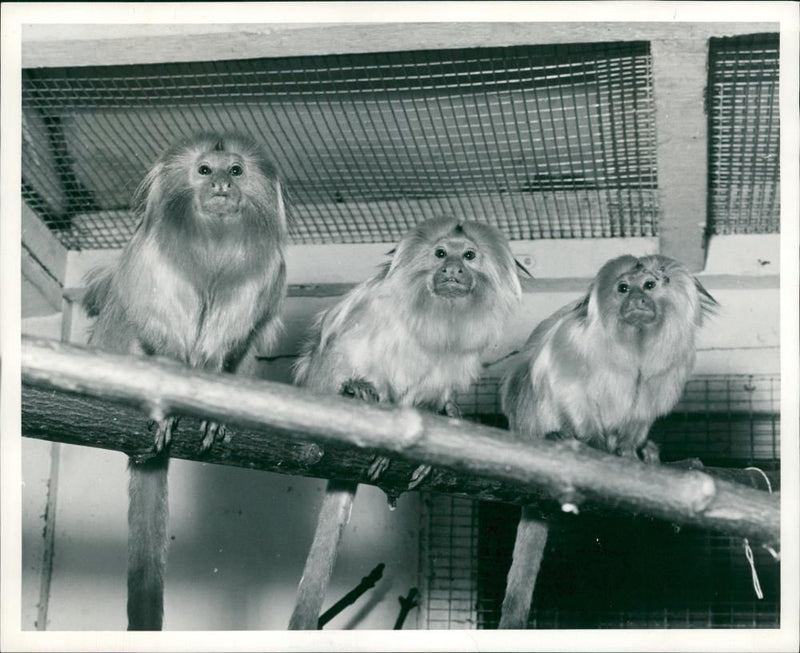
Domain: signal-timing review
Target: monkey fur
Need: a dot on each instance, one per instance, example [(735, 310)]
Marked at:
[(415, 334), (201, 278), (601, 370)]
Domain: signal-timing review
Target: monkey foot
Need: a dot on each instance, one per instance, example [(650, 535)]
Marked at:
[(420, 474), (161, 438), (212, 432), (451, 409), (378, 466), (650, 453), (359, 389)]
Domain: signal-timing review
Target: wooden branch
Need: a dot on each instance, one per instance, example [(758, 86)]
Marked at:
[(292, 430)]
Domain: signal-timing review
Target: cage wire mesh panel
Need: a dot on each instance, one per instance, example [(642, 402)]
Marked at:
[(744, 128), (542, 141), (449, 549), (615, 571)]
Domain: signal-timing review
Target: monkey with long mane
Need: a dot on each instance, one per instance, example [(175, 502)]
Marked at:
[(415, 334), (601, 369), (202, 277)]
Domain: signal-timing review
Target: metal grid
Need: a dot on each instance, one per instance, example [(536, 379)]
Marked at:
[(448, 546), (605, 571), (744, 129), (552, 141)]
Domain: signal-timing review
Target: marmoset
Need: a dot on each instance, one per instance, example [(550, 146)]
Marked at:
[(202, 276), (413, 335), (601, 370)]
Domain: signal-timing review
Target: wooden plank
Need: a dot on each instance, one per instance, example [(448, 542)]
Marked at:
[(679, 82), (467, 450), (42, 244), (85, 45), (307, 265), (42, 294)]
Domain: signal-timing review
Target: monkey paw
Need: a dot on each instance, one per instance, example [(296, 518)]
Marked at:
[(359, 389), (212, 432), (451, 409), (650, 453), (378, 466), (420, 474)]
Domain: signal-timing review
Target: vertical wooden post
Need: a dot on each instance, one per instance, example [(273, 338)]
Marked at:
[(679, 81)]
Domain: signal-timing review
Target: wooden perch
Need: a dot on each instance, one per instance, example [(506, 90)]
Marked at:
[(67, 392)]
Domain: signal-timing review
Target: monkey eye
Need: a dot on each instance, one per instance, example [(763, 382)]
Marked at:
[(649, 284), (470, 254), (235, 170), (623, 288), (440, 252), (204, 170)]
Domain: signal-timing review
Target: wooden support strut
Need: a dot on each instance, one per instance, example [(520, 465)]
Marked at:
[(476, 460)]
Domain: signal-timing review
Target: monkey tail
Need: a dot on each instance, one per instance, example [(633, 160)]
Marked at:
[(147, 542), (525, 563), (333, 517)]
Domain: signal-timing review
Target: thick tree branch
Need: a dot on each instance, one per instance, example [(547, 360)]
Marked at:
[(68, 393)]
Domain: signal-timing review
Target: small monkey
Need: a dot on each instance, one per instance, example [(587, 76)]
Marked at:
[(601, 370), (413, 335), (202, 276)]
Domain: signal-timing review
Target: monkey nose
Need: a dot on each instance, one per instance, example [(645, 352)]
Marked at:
[(452, 268)]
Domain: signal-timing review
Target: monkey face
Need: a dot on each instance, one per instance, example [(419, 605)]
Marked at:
[(638, 290), (452, 274), (637, 308), (631, 290), (213, 180), (216, 177), (463, 263)]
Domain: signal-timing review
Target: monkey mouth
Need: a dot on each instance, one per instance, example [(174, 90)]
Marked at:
[(220, 202), (638, 316), (450, 287)]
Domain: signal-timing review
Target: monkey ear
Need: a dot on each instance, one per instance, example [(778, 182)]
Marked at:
[(524, 269), (708, 305), (148, 187)]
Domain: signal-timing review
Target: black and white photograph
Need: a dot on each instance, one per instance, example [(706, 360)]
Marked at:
[(476, 321)]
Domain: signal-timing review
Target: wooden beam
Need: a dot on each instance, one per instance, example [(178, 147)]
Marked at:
[(57, 45), (42, 293), (43, 259), (42, 244), (553, 470), (679, 83)]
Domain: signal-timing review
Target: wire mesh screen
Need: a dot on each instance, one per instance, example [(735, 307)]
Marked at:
[(449, 544), (744, 126), (542, 141), (613, 571)]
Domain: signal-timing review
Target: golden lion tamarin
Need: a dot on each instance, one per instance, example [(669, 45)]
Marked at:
[(412, 335), (201, 277), (601, 370)]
